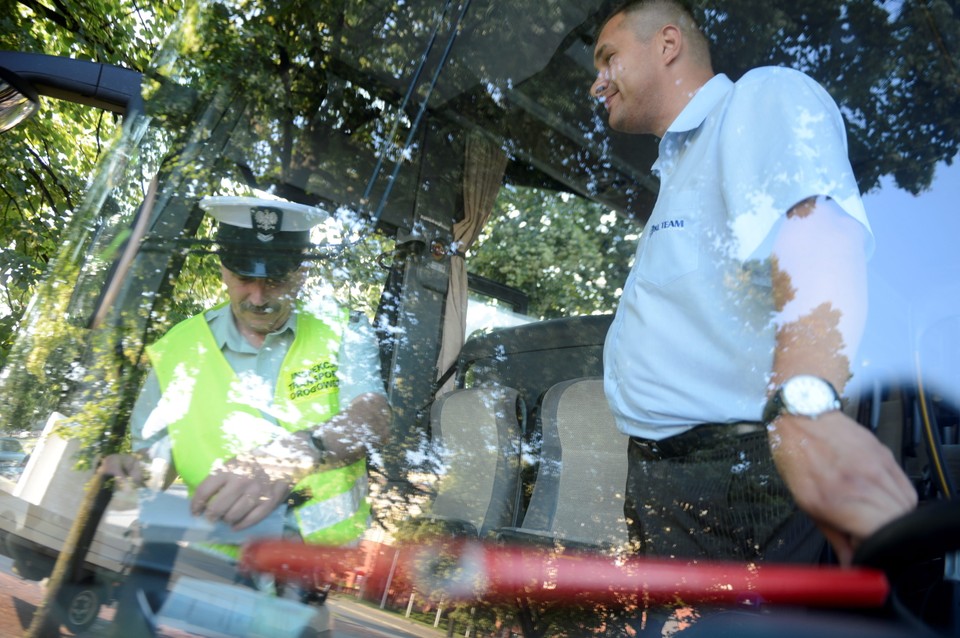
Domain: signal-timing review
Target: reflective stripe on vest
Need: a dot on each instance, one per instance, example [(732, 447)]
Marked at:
[(339, 512), (209, 421)]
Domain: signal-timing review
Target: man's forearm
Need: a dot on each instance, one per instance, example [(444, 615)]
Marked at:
[(346, 437), (836, 470), (363, 426), (820, 293)]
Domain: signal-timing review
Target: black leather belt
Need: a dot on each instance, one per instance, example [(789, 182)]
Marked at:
[(705, 436)]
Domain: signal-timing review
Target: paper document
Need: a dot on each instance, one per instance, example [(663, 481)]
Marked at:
[(217, 609), (166, 517)]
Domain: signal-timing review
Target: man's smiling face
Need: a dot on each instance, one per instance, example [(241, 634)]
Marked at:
[(626, 81)]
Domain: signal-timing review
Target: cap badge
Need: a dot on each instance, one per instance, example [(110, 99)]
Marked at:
[(266, 220)]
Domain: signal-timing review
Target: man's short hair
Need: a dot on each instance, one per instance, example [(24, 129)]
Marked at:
[(632, 6), (680, 11), (683, 7)]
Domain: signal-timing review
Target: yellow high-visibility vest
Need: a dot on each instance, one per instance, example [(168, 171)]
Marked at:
[(210, 421)]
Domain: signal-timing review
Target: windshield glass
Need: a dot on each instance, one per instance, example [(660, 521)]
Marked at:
[(339, 296)]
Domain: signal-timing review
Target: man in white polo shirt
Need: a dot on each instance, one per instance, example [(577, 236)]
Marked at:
[(743, 310)]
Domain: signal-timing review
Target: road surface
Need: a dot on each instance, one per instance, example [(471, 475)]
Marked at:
[(20, 598)]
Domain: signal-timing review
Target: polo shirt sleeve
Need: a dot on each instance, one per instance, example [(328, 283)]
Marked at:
[(359, 370), (783, 141)]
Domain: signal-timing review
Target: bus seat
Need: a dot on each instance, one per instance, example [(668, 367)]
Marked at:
[(535, 356), (578, 494), (477, 432)]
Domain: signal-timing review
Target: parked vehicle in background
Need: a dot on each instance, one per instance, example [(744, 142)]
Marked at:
[(13, 456)]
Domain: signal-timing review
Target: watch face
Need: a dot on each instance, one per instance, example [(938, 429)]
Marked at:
[(808, 396)]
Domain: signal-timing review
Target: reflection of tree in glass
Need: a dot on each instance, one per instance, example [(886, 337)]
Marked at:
[(45, 163), (569, 255), (893, 71)]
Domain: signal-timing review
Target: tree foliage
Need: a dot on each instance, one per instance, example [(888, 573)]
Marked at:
[(570, 256), (894, 69), (46, 162)]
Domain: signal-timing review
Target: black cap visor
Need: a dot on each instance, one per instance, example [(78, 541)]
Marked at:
[(244, 253)]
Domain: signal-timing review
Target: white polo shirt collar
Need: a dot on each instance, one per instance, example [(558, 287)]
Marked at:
[(690, 118)]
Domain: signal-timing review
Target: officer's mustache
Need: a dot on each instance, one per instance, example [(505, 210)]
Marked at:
[(265, 309)]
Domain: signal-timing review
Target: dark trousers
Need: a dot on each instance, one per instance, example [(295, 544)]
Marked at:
[(714, 493)]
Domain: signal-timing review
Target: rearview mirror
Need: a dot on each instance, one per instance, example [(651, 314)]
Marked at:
[(18, 100)]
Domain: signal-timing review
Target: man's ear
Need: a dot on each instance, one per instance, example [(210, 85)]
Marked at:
[(670, 40)]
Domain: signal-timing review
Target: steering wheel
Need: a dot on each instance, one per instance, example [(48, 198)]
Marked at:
[(927, 533), (906, 550)]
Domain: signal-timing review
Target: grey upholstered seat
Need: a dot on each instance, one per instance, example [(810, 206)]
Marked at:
[(477, 433), (579, 490)]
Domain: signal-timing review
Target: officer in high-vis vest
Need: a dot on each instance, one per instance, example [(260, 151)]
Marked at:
[(264, 400)]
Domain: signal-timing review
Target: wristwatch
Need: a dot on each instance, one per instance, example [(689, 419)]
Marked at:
[(802, 395), (317, 441)]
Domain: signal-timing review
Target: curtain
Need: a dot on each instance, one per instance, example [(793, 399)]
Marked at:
[(484, 165)]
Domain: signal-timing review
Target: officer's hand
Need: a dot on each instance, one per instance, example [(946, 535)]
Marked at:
[(244, 490), (124, 466), (841, 475), (240, 493)]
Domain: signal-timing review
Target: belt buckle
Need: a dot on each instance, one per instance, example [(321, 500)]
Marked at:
[(649, 447), (745, 428)]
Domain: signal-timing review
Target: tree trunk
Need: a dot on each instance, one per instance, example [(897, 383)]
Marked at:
[(68, 569)]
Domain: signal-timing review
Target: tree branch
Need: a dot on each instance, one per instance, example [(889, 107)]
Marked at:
[(39, 180), (47, 13), (56, 180)]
